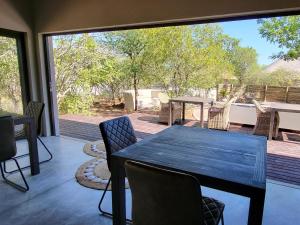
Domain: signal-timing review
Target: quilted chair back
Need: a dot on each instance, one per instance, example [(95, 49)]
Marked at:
[(7, 139), (117, 134), (35, 110), (163, 197)]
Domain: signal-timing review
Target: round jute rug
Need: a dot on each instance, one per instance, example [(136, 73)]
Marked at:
[(95, 149), (94, 174)]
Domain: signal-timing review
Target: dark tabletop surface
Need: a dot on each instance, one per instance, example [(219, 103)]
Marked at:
[(234, 157), (191, 99)]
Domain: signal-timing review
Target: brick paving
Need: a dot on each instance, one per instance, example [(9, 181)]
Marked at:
[(283, 157)]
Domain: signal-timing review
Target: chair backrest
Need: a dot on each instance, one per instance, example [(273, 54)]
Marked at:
[(163, 97), (259, 108), (229, 102), (227, 107), (163, 197), (117, 134), (8, 147), (35, 110)]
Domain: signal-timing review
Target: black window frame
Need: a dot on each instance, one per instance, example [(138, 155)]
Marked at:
[(22, 61)]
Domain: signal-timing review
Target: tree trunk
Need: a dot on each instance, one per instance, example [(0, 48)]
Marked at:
[(135, 93)]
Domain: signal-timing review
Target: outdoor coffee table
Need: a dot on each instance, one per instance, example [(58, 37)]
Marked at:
[(279, 107), (231, 162), (191, 100)]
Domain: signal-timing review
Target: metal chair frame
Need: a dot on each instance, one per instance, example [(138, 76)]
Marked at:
[(38, 133), (17, 186)]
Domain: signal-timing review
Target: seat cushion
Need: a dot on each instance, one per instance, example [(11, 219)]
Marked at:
[(212, 210)]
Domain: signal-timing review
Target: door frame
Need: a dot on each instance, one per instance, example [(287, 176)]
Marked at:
[(51, 85), (22, 61)]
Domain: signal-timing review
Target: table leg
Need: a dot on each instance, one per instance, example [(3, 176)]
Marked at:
[(183, 111), (118, 192), (201, 115), (256, 208), (33, 148), (271, 124), (170, 114)]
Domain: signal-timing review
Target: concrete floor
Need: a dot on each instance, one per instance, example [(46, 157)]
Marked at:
[(56, 198)]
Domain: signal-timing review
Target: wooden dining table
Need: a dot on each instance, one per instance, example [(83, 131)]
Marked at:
[(279, 107), (31, 135), (231, 162), (189, 100)]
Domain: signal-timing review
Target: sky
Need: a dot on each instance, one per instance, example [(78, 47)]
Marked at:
[(247, 32)]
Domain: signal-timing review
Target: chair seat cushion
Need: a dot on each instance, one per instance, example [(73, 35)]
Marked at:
[(212, 210)]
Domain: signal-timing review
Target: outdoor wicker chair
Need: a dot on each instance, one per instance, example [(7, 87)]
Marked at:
[(117, 134), (164, 112), (262, 125), (218, 115), (34, 110), (8, 150), (164, 197)]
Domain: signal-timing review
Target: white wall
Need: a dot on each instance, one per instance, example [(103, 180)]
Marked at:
[(246, 114)]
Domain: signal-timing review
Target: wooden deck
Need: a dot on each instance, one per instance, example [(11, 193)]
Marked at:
[(283, 159)]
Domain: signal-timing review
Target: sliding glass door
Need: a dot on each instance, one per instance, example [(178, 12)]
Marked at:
[(12, 89)]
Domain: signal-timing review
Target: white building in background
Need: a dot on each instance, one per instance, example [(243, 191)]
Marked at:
[(291, 65)]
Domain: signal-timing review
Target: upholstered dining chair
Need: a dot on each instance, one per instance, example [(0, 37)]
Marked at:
[(163, 197), (34, 110), (8, 150), (263, 118), (117, 134)]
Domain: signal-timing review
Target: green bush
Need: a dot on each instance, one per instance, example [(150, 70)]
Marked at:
[(75, 104)]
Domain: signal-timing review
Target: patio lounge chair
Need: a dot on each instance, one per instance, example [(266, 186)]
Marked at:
[(117, 134), (35, 110), (262, 125), (218, 115), (8, 150), (164, 112), (164, 197)]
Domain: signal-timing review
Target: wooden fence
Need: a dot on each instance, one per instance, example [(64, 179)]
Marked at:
[(265, 93)]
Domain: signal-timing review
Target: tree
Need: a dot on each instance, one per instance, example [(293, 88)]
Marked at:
[(10, 87), (279, 78), (131, 45), (284, 31), (109, 75), (244, 60), (75, 58), (185, 58), (214, 49)]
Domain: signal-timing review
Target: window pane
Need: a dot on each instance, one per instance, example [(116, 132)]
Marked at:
[(10, 87)]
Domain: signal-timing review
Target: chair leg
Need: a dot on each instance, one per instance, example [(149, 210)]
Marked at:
[(105, 213), (21, 156), (222, 219), (17, 186), (101, 200), (50, 154)]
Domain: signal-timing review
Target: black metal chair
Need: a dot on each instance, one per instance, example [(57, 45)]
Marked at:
[(34, 110), (8, 150), (117, 134), (163, 197)]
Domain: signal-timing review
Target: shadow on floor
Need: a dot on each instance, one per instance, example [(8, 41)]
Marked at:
[(86, 131)]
